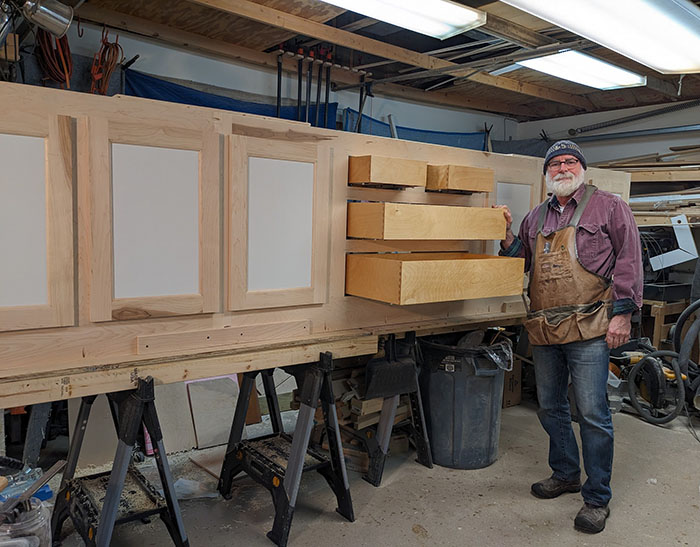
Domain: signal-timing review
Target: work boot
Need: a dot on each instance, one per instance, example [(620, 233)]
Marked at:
[(551, 488), (591, 519)]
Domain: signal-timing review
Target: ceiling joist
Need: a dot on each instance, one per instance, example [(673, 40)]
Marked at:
[(224, 50), (312, 29)]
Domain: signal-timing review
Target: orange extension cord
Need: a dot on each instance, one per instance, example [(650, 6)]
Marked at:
[(54, 57), (104, 63)]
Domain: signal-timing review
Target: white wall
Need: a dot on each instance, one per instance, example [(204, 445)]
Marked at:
[(161, 60), (621, 148)]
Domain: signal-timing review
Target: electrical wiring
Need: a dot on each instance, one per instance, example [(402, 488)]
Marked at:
[(105, 61), (55, 57)]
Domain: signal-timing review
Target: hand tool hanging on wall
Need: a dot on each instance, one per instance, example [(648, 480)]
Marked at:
[(300, 72), (319, 84), (358, 125), (365, 91), (328, 88), (279, 85), (309, 82)]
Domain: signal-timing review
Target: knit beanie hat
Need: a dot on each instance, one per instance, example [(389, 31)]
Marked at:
[(561, 148)]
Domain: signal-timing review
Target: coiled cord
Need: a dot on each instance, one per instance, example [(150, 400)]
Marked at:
[(54, 57), (105, 61)]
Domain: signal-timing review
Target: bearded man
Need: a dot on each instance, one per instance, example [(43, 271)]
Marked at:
[(583, 252)]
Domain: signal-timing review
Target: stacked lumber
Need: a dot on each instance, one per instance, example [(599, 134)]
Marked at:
[(681, 164), (658, 208)]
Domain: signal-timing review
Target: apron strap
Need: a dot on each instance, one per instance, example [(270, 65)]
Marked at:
[(543, 214), (578, 213)]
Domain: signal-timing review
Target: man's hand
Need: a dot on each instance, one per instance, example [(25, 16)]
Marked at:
[(505, 243), (619, 330)]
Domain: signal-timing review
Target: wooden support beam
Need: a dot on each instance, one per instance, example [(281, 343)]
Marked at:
[(312, 29), (223, 50), (460, 100), (531, 89), (263, 14), (195, 42), (513, 32), (662, 86)]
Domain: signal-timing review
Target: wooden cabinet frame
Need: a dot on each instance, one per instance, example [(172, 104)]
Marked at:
[(95, 138), (240, 150), (57, 132)]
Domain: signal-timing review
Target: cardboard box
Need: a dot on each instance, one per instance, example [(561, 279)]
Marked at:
[(512, 385)]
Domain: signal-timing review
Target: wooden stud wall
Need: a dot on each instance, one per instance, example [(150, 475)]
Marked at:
[(97, 356)]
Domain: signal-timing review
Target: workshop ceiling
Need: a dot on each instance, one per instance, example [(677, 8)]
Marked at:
[(401, 63)]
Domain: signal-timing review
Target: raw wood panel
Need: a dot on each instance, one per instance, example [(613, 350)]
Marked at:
[(240, 150), (666, 175), (615, 182), (417, 278), (400, 221), (381, 170), (459, 177), (96, 136), (95, 357), (161, 343), (10, 49), (93, 381), (56, 130)]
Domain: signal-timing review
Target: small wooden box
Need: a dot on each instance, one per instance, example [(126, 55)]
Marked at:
[(402, 221), (9, 51), (460, 178), (380, 170), (419, 278)]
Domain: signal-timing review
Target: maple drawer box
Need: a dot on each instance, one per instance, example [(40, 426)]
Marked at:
[(419, 278), (393, 171), (459, 178), (402, 221)]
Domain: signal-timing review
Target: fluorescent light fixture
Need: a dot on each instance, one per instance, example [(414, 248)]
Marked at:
[(437, 18), (661, 34), (584, 69)]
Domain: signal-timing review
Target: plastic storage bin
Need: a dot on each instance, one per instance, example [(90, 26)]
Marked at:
[(462, 390), (32, 529)]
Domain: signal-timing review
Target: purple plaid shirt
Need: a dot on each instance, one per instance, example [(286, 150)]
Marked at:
[(607, 240)]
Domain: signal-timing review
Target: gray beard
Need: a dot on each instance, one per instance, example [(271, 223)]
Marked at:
[(564, 184)]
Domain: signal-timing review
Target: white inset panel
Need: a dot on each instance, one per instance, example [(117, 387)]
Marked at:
[(517, 198), (155, 203), (23, 275), (280, 215)]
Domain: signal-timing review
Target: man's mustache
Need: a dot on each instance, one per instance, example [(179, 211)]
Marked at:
[(563, 176)]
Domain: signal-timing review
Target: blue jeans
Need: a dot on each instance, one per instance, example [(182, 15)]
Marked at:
[(587, 363)]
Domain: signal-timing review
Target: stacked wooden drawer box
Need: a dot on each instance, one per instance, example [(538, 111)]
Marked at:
[(423, 277)]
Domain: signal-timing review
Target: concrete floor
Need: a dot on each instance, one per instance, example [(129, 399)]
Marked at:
[(656, 499)]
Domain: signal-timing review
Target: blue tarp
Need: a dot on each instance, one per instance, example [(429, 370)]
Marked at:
[(371, 126), (143, 85)]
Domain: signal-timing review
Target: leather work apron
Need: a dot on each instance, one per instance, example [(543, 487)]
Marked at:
[(567, 302)]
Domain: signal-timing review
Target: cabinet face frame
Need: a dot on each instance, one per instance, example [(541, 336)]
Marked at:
[(240, 150), (96, 136), (57, 134)]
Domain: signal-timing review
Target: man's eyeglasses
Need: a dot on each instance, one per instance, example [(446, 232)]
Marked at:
[(554, 165)]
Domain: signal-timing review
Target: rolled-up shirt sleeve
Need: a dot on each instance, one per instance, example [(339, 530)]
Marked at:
[(627, 272)]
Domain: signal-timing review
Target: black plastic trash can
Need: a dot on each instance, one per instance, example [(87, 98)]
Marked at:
[(462, 391)]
